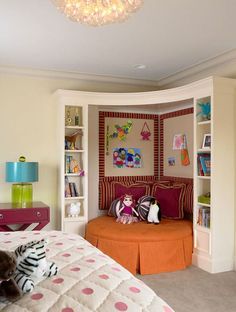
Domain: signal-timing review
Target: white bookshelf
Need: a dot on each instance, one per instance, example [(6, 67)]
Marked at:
[(214, 240), (77, 153)]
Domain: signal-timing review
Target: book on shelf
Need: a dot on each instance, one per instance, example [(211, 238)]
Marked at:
[(71, 189), (204, 164), (204, 217), (67, 188)]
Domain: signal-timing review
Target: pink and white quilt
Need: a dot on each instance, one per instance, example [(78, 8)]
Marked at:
[(87, 280)]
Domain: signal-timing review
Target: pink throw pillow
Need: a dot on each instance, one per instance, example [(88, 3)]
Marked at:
[(136, 190), (171, 200)]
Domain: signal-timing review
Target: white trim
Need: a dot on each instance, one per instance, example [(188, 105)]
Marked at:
[(206, 68), (74, 75)]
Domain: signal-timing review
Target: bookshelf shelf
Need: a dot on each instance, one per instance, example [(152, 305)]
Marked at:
[(203, 150), (74, 219), (204, 177), (74, 151), (75, 197), (203, 229), (203, 204), (205, 122)]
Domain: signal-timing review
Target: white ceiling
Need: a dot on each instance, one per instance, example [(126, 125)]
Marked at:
[(167, 36)]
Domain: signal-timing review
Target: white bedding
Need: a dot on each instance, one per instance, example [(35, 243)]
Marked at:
[(88, 280)]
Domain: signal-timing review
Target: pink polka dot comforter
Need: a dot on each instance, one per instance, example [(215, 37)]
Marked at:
[(87, 280)]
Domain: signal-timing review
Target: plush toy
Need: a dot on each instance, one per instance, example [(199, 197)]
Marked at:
[(32, 265), (154, 215), (8, 287), (73, 209), (127, 213)]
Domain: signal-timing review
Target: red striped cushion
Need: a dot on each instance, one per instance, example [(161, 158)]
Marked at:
[(188, 200), (171, 199)]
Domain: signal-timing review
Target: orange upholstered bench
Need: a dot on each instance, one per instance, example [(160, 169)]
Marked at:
[(142, 247)]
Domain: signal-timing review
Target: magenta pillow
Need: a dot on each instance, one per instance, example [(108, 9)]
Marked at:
[(136, 190), (171, 200)]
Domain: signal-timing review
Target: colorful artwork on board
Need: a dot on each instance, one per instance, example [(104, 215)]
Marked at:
[(178, 142), (171, 161), (127, 158), (145, 132), (121, 132)]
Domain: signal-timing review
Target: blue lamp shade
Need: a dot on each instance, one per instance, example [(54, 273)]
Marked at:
[(22, 172)]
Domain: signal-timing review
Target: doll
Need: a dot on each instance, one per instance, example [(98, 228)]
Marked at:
[(127, 212)]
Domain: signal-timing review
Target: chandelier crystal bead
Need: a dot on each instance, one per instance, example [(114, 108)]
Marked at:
[(97, 12)]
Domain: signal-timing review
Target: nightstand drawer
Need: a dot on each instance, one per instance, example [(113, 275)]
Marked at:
[(24, 215)]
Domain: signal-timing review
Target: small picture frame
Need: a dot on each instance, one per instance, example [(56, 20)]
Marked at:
[(206, 144)]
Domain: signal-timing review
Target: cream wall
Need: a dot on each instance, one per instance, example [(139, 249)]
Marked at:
[(28, 121)]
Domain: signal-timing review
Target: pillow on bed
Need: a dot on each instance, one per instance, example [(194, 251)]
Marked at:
[(115, 207), (136, 190), (143, 206), (171, 199)]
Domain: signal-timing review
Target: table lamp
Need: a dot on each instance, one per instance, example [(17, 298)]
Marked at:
[(22, 172)]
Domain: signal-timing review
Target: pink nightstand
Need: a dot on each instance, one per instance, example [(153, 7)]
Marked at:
[(38, 213)]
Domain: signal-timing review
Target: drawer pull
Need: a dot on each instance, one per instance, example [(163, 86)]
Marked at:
[(1, 216), (38, 214)]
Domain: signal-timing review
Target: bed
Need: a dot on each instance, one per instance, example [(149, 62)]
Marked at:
[(88, 280)]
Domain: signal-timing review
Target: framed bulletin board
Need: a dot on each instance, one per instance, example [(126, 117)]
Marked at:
[(128, 144), (174, 124)]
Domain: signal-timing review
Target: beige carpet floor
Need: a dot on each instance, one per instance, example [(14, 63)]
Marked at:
[(194, 290)]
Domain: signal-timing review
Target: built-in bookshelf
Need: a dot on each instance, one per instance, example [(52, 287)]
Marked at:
[(203, 161), (73, 168), (213, 221)]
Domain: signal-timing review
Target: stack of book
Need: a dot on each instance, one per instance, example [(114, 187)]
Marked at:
[(204, 217), (204, 164), (70, 189)]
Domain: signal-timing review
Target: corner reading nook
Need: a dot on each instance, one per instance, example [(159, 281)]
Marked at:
[(190, 161)]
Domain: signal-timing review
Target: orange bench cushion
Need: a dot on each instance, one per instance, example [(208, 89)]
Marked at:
[(142, 247)]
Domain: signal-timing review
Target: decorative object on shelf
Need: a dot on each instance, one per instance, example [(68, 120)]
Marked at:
[(206, 143), (76, 116), (205, 111), (71, 165), (71, 140), (205, 198), (68, 119), (23, 173), (97, 12), (145, 132), (73, 209), (74, 166)]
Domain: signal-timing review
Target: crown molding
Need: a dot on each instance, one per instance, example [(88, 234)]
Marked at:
[(53, 74), (218, 65)]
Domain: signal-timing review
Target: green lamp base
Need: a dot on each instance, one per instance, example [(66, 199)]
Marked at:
[(22, 195)]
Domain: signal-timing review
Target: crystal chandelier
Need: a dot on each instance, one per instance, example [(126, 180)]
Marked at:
[(97, 12)]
